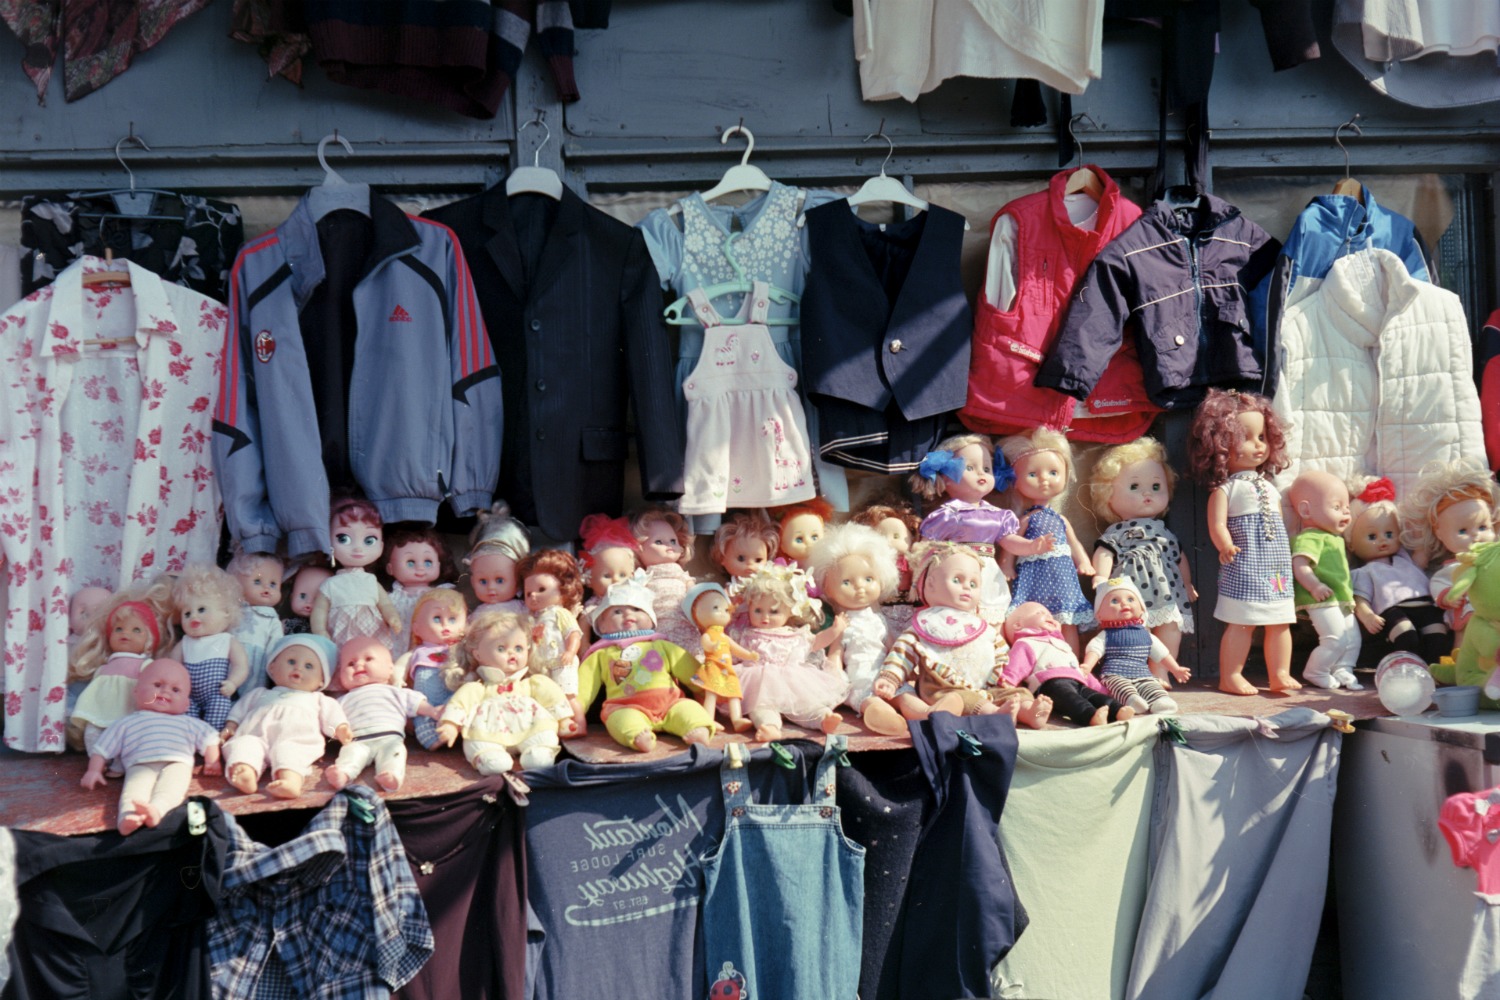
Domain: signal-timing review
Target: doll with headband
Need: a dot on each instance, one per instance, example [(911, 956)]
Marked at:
[(260, 575), (743, 544), (497, 545), (352, 602), (708, 606), (1323, 591), (1042, 660), (799, 527), (951, 652), (553, 587), (610, 555), (117, 643), (1131, 655), (964, 468), (416, 560), (1129, 490), (306, 582), (503, 714), (790, 676), (208, 600), (1391, 598), (1237, 445), (665, 544), (1450, 509), (438, 625)]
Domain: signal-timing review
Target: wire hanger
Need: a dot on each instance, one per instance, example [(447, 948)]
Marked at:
[(1083, 180), (132, 202), (742, 176), (335, 193), (883, 187), (535, 179), (1348, 186)]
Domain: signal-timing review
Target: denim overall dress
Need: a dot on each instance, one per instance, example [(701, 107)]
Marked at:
[(783, 901)]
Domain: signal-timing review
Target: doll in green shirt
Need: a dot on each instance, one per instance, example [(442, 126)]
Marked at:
[(1323, 591)]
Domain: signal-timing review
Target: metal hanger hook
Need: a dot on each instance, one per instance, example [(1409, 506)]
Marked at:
[(323, 145), (1353, 124), (137, 140), (890, 144), (1082, 116), (539, 118), (740, 129)]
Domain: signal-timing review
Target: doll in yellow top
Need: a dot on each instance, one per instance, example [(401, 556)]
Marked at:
[(709, 608)]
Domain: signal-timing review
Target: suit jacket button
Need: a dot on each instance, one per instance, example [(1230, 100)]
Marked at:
[(536, 324), (541, 385), (541, 435), (896, 346)]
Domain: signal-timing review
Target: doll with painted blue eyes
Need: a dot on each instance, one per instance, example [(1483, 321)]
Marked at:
[(352, 603)]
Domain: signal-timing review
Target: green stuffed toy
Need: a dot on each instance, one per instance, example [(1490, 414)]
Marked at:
[(1479, 581)]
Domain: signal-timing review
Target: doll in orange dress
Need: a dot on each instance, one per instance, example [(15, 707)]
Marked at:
[(708, 607)]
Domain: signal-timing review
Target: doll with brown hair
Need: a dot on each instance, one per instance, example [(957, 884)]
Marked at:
[(953, 655), (1449, 510), (126, 633), (1391, 598), (416, 560), (792, 676), (306, 582), (799, 526), (1237, 445), (1043, 466), (744, 543), (260, 575), (963, 468), (497, 545), (352, 602), (553, 588), (611, 555), (438, 625), (1129, 491), (666, 548), (708, 606), (898, 524), (207, 601)]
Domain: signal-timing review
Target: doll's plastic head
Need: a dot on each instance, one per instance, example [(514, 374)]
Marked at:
[(706, 605), (133, 628), (631, 594), (800, 526), (163, 686), (1374, 530), (1131, 481), (550, 578), (1231, 429), (854, 567), (777, 594), (357, 532), (1043, 466), (1030, 616), (495, 648), (303, 662), (745, 542), (612, 565), (961, 467), (1320, 500), (1463, 524), (85, 604), (492, 574), (363, 660), (663, 537), (897, 524), (438, 618), (207, 600), (948, 576), (260, 575), (1441, 487), (305, 587), (1118, 600), (610, 551), (417, 558)]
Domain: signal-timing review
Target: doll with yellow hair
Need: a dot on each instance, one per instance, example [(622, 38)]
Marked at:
[(1450, 510), (439, 621)]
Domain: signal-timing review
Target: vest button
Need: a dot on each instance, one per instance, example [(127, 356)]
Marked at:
[(896, 346), (1179, 340)]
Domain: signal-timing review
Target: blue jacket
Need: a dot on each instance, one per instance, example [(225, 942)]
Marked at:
[(381, 374)]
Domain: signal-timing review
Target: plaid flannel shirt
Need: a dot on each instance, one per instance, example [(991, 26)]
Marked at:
[(332, 915)]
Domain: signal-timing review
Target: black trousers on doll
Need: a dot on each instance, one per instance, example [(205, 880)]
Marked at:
[(1076, 701), (1428, 637)]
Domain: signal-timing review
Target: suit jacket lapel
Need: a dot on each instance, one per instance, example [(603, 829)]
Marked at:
[(501, 244), (559, 246)]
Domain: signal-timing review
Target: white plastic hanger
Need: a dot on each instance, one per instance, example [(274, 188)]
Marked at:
[(535, 179), (884, 187), (740, 177), (335, 193)]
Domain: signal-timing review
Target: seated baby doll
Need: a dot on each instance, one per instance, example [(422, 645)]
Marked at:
[(1129, 651), (1043, 660), (377, 711)]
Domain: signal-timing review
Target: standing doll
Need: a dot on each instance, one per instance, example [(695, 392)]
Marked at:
[(304, 591), (284, 727), (376, 710), (260, 578), (743, 544), (1320, 569), (799, 527), (790, 675), (352, 602), (553, 588), (666, 547), (610, 556), (1451, 509), (708, 607), (120, 640), (1131, 655), (1041, 659), (416, 560), (504, 711), (156, 743), (1237, 446), (1129, 490), (208, 601), (953, 655), (963, 469), (1391, 597), (1043, 465), (437, 626)]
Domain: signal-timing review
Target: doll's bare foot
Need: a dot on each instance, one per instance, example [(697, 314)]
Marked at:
[(1037, 713), (334, 777), (242, 777), (1010, 705), (1236, 684), (830, 723), (1125, 714), (767, 733), (288, 785), (741, 724), (879, 717), (700, 736), (645, 741), (1282, 681), (129, 823), (990, 708), (149, 813), (387, 781), (1101, 716), (951, 702)]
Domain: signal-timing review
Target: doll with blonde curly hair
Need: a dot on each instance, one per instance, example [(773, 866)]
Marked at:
[(125, 634), (207, 601), (792, 678), (1236, 445), (1129, 490), (439, 622), (1449, 510), (1043, 464), (1391, 598)]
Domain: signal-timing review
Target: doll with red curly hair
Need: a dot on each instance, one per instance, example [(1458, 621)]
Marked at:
[(1237, 445), (800, 526), (611, 555), (552, 586)]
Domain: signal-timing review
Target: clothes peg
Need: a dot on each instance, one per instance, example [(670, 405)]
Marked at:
[(781, 756), (518, 789), (969, 745), (197, 818), (1171, 729), (736, 752), (362, 808), (1340, 720)]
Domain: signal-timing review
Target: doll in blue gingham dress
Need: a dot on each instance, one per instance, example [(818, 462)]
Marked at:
[(1043, 463)]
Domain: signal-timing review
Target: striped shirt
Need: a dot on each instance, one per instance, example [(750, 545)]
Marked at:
[(380, 708), (154, 737)]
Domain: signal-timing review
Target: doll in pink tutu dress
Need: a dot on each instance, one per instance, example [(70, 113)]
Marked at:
[(793, 677)]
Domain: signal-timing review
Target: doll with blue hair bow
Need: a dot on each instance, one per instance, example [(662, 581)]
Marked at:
[(966, 468)]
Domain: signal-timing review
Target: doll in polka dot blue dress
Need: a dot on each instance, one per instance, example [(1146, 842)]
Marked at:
[(1043, 463)]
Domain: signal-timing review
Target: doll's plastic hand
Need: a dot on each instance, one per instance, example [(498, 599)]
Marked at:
[(228, 688), (1085, 567), (1180, 672), (395, 624), (430, 710), (885, 688), (1321, 592), (1043, 545), (92, 778), (840, 623), (227, 733), (568, 727), (343, 733), (1227, 554), (1192, 592), (1372, 622), (447, 733)]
